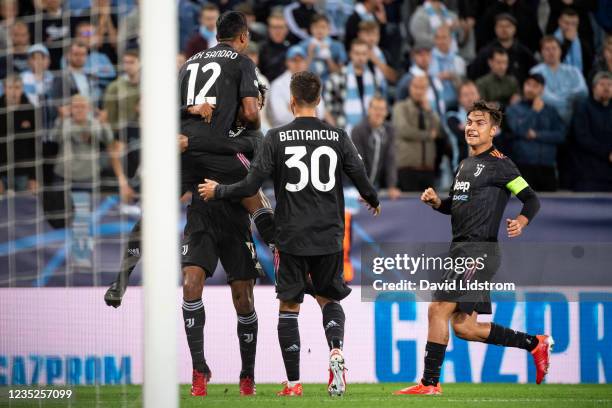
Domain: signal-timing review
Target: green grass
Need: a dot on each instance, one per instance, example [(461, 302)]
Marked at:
[(358, 395)]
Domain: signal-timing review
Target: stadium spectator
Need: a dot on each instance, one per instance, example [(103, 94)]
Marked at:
[(455, 122), (537, 130), (9, 10), (252, 51), (324, 54), (298, 15), (37, 80), (257, 30), (447, 66), (98, 65), (105, 21), (338, 12), (416, 127), (498, 85), (18, 121), (16, 58), (365, 10), (272, 53), (188, 14), (374, 139), (369, 32), (122, 96), (56, 27), (574, 51), (121, 106), (206, 37), (430, 16), (421, 57), (591, 143), (583, 8), (72, 80), (347, 93), (565, 84), (128, 32), (528, 30), (80, 136), (603, 62), (279, 112), (521, 59)]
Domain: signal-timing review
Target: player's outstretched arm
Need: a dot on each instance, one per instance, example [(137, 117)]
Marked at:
[(248, 114), (248, 186)]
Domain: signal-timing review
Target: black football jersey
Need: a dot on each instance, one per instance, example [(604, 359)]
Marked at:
[(480, 192), (222, 77), (306, 159)]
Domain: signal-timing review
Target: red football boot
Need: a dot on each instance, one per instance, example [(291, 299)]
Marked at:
[(199, 384), (295, 391), (420, 389), (247, 386), (541, 356)]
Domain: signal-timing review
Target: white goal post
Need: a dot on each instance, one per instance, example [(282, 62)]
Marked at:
[(159, 129)]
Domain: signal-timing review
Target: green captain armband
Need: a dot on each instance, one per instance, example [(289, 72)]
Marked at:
[(517, 185)]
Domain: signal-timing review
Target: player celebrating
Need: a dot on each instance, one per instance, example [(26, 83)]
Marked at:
[(476, 203), (306, 158)]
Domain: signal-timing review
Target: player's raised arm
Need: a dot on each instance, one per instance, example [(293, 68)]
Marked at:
[(354, 168), (249, 94)]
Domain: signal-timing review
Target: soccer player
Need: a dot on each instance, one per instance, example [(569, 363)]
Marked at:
[(306, 158), (483, 185)]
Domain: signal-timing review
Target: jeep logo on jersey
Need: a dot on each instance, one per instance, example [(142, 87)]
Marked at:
[(463, 186), (479, 169)]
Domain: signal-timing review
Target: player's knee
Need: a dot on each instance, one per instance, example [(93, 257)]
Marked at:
[(436, 310), (242, 296), (193, 282), (462, 330)]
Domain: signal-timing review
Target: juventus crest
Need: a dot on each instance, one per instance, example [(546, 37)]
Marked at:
[(479, 168)]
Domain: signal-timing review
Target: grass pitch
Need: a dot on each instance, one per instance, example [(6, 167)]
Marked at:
[(358, 395)]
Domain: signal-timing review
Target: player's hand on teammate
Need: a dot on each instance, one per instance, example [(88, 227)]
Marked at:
[(205, 110), (430, 197), (515, 227), (374, 210), (207, 190)]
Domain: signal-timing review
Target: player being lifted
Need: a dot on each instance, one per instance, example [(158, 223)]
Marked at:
[(483, 185), (305, 159)]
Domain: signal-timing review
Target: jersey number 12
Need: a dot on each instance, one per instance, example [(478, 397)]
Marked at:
[(297, 153), (201, 96)]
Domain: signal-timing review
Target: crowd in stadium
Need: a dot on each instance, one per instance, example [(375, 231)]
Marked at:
[(398, 76)]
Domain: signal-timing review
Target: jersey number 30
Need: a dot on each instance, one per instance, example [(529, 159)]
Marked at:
[(297, 153), (201, 96)]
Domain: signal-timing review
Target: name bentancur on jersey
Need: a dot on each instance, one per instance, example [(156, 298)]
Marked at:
[(308, 135)]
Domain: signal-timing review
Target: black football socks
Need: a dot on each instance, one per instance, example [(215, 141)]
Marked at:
[(247, 338), (503, 336), (194, 318), (333, 324), (289, 340), (434, 357)]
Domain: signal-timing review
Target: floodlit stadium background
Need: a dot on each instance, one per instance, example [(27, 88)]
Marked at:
[(61, 242)]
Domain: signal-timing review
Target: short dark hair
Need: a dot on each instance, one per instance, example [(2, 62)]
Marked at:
[(132, 52), (209, 7), (548, 39), (568, 11), (305, 87), (497, 50), (230, 25), (491, 107), (319, 17)]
